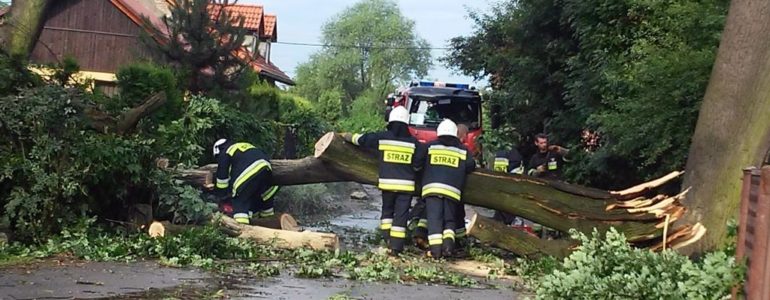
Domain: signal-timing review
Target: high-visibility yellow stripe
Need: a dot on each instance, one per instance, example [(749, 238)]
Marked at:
[(250, 171), (447, 153), (501, 166), (435, 239), (422, 223), (267, 195), (441, 191), (396, 148), (386, 226), (396, 187), (355, 138), (398, 232), (239, 147), (222, 185)]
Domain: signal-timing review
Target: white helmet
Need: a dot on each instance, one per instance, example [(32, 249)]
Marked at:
[(447, 127), (399, 114), (217, 144)]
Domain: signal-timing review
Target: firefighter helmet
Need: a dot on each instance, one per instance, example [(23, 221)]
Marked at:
[(219, 142), (447, 127), (399, 114)]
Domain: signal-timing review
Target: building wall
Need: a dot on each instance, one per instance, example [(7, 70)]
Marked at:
[(94, 32)]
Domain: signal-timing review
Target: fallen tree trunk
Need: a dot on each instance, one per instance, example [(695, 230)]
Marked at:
[(285, 239), (555, 204), (281, 238), (499, 235)]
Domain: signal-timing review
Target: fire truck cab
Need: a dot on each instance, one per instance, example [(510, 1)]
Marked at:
[(430, 102)]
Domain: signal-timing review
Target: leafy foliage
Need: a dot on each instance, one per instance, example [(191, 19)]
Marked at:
[(628, 72), (372, 46), (139, 81), (608, 268), (14, 76)]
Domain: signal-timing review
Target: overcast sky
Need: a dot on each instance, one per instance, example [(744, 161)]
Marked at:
[(300, 21)]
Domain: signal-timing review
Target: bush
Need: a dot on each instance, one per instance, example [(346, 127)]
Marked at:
[(299, 115), (610, 269), (139, 81), (14, 75), (365, 114)]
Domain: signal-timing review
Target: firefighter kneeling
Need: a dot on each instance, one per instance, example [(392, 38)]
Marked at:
[(446, 167), (245, 171)]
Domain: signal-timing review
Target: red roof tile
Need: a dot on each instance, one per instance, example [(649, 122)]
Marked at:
[(252, 14), (263, 67), (270, 27)]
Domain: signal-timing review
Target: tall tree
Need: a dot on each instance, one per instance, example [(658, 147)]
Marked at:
[(369, 46), (205, 41), (23, 25), (631, 72), (733, 128)]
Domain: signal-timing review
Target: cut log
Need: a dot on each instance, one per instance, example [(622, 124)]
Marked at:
[(498, 235), (281, 238), (555, 204), (282, 221), (164, 228), (285, 239)]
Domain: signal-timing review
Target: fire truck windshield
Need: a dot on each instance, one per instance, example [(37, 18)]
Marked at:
[(430, 111)]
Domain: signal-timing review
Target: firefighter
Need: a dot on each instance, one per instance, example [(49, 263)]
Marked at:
[(511, 162), (420, 233), (447, 164), (401, 156), (548, 161), (244, 172)]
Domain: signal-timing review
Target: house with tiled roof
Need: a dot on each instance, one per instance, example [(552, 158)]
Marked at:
[(104, 35)]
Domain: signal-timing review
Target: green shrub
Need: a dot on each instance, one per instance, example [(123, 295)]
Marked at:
[(366, 114), (610, 269), (329, 105), (14, 75), (304, 120), (139, 81)]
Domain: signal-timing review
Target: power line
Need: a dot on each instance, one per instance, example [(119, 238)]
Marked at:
[(362, 47)]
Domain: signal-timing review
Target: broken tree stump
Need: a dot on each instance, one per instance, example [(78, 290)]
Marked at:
[(499, 235)]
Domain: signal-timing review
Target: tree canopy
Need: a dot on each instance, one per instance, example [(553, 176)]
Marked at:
[(621, 79), (369, 46)]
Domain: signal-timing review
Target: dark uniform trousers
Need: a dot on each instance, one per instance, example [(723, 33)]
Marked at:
[(395, 215), (421, 230), (251, 198), (441, 214)]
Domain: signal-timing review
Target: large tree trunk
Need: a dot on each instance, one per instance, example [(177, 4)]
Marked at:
[(733, 129), (23, 28), (499, 235), (555, 204)]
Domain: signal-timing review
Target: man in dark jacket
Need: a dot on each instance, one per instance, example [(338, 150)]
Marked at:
[(245, 172), (401, 155), (548, 161), (447, 165)]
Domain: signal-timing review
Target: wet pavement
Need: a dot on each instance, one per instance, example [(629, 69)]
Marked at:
[(55, 279)]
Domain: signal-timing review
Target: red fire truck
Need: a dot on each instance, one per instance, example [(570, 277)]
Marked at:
[(430, 102)]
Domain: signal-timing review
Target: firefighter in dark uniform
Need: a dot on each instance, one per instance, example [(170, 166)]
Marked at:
[(245, 172), (549, 160), (511, 162), (447, 164), (401, 156), (420, 220)]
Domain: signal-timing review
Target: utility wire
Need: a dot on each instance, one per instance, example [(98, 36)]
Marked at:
[(360, 47)]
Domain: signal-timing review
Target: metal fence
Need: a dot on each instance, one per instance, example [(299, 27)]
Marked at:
[(754, 232)]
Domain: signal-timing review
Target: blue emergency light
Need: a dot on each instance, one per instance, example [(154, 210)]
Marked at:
[(443, 84)]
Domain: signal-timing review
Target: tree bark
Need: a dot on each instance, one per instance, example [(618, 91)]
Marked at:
[(26, 19), (733, 129), (281, 238), (281, 221), (498, 235)]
